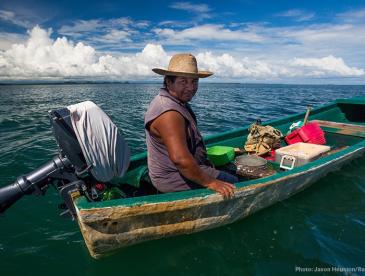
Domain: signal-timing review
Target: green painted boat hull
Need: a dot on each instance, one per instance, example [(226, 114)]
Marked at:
[(110, 225)]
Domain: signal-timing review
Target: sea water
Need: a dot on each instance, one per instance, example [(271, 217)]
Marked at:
[(319, 230)]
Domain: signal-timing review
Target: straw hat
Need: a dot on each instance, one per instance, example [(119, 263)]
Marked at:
[(183, 65)]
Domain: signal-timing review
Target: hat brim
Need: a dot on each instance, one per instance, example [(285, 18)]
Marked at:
[(200, 74)]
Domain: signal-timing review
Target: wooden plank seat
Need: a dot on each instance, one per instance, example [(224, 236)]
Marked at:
[(342, 128)]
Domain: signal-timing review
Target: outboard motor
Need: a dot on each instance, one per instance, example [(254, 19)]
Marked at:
[(66, 138), (91, 150)]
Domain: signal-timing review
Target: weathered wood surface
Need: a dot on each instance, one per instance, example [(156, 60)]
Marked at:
[(342, 128), (108, 229)]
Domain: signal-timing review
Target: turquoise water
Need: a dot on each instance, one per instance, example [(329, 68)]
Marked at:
[(323, 226)]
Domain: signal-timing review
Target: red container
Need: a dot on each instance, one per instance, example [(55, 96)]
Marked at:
[(309, 133), (270, 156)]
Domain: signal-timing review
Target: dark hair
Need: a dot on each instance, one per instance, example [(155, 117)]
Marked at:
[(170, 78)]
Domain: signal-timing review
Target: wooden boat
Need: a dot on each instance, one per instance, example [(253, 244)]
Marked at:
[(110, 225)]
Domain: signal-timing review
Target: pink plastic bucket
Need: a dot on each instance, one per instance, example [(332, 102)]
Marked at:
[(309, 133)]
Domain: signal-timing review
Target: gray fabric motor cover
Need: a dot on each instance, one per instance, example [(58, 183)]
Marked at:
[(101, 143)]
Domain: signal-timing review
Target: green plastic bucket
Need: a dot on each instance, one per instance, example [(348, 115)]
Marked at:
[(220, 155)]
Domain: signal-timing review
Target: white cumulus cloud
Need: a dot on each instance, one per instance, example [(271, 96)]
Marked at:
[(8, 39), (329, 64), (226, 65), (41, 57)]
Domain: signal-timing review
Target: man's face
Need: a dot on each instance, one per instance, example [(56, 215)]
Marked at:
[(183, 88)]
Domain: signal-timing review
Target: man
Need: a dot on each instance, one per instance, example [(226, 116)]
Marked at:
[(176, 152)]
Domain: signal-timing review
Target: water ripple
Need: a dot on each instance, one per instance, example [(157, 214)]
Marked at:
[(321, 226)]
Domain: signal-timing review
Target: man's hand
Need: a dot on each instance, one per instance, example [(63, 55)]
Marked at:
[(224, 188)]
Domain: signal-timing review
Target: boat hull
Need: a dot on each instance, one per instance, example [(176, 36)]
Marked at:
[(107, 229)]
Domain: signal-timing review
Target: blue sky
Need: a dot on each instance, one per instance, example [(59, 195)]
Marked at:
[(243, 41)]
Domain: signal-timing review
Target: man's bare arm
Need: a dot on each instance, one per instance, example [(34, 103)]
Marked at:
[(170, 128)]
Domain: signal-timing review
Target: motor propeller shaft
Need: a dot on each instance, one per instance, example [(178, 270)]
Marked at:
[(35, 182)]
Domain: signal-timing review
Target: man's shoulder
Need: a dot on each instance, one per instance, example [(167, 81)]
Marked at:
[(155, 104), (158, 106), (161, 103)]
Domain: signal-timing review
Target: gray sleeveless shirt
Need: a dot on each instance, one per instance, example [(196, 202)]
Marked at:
[(163, 173)]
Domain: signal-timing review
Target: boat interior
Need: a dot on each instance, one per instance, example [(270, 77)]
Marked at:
[(343, 123)]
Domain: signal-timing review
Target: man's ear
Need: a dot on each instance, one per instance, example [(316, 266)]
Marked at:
[(168, 83)]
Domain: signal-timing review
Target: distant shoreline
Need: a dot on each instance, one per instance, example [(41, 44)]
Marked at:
[(160, 82)]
